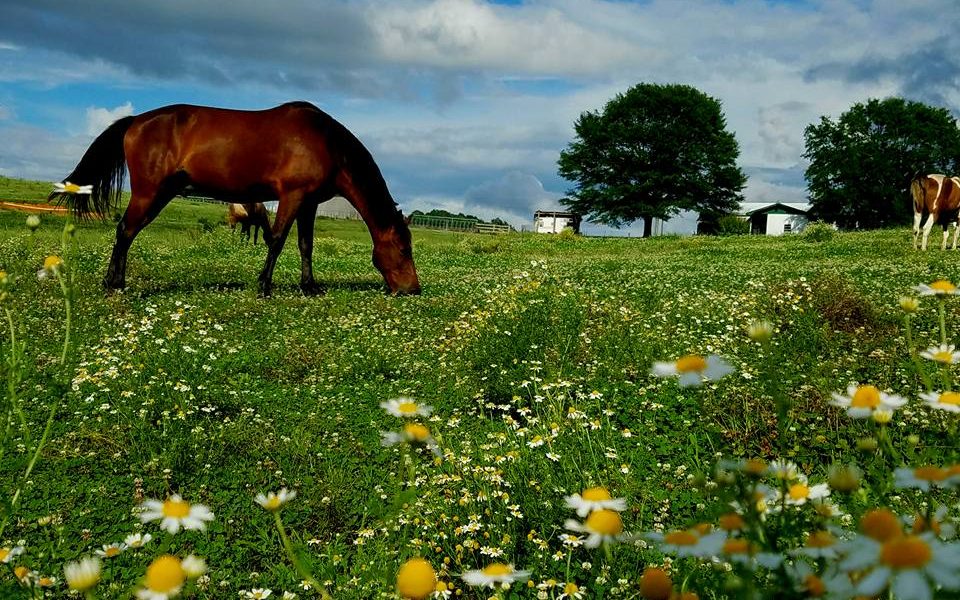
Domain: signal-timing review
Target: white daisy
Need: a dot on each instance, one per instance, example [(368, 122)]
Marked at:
[(71, 188), (819, 544), (594, 498), (689, 542), (164, 579), (801, 491), (274, 501), (948, 401), (921, 478), (493, 574), (945, 354), (83, 574), (862, 400), (783, 469), (174, 513), (940, 287), (256, 593), (8, 554), (194, 566), (913, 566), (693, 369), (406, 408), (414, 434), (603, 526), (111, 550), (137, 540)]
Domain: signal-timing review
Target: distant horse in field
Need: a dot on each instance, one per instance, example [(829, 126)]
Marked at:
[(936, 199), (294, 152), (252, 215)]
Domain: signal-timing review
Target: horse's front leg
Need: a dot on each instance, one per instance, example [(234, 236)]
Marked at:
[(286, 211), (306, 218)]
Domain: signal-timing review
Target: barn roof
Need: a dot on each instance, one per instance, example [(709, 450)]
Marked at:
[(790, 208)]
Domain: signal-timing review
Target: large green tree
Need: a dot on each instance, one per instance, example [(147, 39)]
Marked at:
[(653, 151), (862, 163)]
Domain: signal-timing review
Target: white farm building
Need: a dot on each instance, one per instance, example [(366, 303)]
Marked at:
[(774, 218)]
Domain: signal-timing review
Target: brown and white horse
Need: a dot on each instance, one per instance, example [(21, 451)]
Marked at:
[(251, 215), (936, 198)]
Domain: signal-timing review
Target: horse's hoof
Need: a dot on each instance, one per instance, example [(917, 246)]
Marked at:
[(312, 289)]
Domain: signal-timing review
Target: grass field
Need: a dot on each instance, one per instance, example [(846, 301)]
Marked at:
[(535, 353)]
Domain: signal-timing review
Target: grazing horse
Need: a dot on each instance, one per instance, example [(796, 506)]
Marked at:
[(251, 215), (936, 198), (294, 152)]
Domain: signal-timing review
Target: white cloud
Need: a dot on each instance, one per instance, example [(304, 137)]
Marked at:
[(99, 119)]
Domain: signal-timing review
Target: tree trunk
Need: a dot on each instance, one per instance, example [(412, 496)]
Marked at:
[(647, 226)]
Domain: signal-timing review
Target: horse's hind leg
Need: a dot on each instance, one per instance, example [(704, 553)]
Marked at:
[(306, 217), (917, 219), (143, 208), (286, 212), (927, 226)]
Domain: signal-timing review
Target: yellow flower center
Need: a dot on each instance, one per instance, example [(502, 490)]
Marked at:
[(943, 356), (570, 589), (176, 509), (930, 473), (52, 262), (416, 432), (416, 579), (442, 586), (950, 398), (497, 569), (165, 574), (880, 524), (866, 396), (942, 286), (407, 408), (909, 552), (799, 491), (272, 503), (111, 551), (681, 538), (755, 466), (736, 546), (820, 539), (596, 494), (731, 522), (605, 522), (4, 553), (814, 586), (920, 525), (21, 572), (71, 188), (655, 584), (46, 581), (691, 363)]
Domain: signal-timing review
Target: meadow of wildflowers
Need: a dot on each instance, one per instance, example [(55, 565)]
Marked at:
[(553, 418)]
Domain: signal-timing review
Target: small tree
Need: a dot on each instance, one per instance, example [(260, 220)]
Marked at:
[(862, 163), (654, 150)]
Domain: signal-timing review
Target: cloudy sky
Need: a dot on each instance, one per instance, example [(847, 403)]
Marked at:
[(466, 104)]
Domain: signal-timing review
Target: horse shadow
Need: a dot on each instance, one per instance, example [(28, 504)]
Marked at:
[(150, 289)]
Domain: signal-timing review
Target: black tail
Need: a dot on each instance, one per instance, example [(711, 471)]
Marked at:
[(104, 167)]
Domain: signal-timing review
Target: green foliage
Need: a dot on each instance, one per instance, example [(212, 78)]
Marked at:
[(861, 164), (732, 225), (818, 231), (653, 151)]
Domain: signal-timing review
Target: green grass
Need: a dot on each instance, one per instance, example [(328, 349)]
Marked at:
[(188, 383)]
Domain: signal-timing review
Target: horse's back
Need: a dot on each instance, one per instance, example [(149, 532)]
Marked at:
[(230, 149)]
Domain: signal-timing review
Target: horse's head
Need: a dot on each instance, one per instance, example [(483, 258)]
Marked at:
[(393, 257)]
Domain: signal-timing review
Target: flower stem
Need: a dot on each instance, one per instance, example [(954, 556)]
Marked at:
[(301, 568)]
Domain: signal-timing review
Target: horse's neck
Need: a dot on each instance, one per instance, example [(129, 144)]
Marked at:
[(376, 207)]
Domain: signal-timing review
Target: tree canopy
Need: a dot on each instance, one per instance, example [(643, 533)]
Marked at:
[(653, 151), (862, 163)]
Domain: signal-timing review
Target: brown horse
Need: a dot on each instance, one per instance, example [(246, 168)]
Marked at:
[(294, 152), (251, 215)]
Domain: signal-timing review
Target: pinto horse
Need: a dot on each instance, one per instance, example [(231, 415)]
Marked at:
[(252, 215), (936, 199), (294, 152)]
